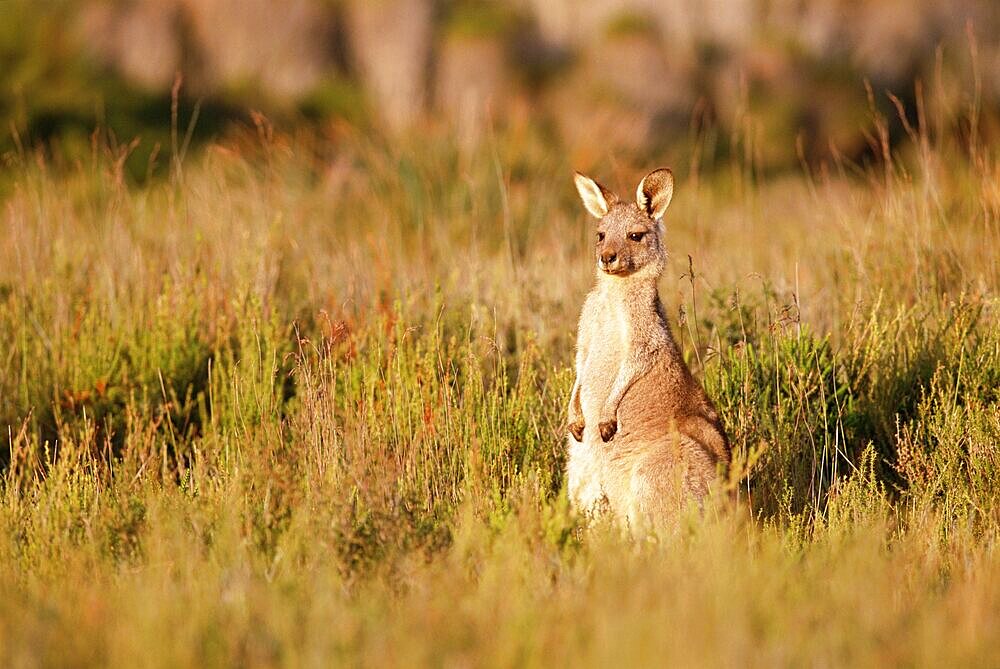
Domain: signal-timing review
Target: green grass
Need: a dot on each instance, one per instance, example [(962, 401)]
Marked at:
[(303, 404)]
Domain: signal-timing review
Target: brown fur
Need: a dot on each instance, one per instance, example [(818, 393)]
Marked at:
[(644, 437)]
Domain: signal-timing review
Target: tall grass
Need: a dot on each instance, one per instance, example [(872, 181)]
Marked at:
[(303, 403)]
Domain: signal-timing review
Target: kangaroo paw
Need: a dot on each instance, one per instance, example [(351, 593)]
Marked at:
[(576, 429), (608, 428)]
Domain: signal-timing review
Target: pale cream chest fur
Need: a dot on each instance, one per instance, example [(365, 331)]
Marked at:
[(605, 335)]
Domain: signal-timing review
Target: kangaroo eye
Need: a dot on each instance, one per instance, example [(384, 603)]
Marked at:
[(600, 236), (636, 236)]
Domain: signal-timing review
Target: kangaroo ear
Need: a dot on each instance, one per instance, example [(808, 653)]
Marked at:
[(654, 192), (596, 198)]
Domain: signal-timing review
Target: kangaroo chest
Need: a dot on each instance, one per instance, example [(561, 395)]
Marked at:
[(609, 342)]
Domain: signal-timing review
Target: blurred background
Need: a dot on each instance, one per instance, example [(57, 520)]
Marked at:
[(777, 82)]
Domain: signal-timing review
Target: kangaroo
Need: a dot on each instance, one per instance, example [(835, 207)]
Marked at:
[(644, 437)]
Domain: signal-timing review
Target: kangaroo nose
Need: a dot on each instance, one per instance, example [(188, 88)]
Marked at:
[(608, 257)]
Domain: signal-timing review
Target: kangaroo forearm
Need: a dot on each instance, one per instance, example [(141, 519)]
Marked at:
[(576, 424), (575, 407)]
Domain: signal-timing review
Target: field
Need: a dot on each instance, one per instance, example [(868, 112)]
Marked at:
[(301, 402)]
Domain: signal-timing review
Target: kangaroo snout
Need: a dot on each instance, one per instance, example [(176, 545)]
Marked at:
[(613, 261)]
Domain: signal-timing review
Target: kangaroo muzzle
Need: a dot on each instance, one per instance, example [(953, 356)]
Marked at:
[(610, 261)]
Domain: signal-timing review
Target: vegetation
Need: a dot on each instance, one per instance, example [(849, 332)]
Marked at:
[(302, 402), (630, 24), (787, 77)]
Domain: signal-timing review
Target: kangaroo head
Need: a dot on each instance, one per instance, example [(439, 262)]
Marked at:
[(629, 236)]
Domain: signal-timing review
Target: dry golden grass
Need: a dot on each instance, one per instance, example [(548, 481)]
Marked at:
[(302, 404)]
